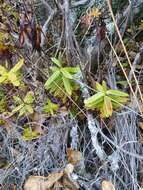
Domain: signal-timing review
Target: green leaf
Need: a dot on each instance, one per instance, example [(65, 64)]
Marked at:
[(56, 61), (29, 98), (94, 100), (22, 111), (73, 70), (67, 85), (104, 86), (17, 66), (117, 93), (105, 100), (29, 109), (107, 109), (28, 134), (65, 73), (99, 87), (50, 107), (18, 108), (52, 79), (13, 79), (17, 99), (118, 99), (122, 82)]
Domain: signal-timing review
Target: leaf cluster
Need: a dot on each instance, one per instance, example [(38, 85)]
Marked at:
[(62, 78), (25, 105), (105, 100), (11, 76)]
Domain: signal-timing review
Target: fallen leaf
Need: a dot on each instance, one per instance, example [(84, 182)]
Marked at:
[(53, 181), (74, 156), (107, 185), (42, 183), (53, 178), (35, 183), (141, 125), (69, 169), (69, 184)]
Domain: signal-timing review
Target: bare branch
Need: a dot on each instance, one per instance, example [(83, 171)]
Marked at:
[(79, 3)]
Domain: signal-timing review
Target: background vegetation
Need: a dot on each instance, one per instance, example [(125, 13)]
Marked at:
[(71, 94)]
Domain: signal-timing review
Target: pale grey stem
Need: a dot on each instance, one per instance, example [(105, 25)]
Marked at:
[(92, 125)]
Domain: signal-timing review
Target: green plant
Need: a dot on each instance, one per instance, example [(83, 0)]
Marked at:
[(29, 134), (25, 106), (50, 107), (11, 76), (106, 100), (62, 78)]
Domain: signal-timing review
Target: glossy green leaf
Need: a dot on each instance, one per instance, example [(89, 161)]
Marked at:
[(52, 79), (17, 99), (50, 107), (117, 93), (105, 100), (119, 99), (22, 111), (93, 100), (28, 134), (13, 79), (29, 98), (73, 70), (18, 108), (65, 73), (99, 87), (67, 85), (107, 108), (29, 109), (104, 86)]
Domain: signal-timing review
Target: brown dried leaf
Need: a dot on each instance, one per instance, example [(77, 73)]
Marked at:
[(68, 184), (58, 184), (35, 183), (42, 183), (69, 169), (107, 185), (74, 156), (53, 181), (141, 125), (53, 178)]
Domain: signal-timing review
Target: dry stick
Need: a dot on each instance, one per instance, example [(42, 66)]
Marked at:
[(92, 125), (81, 2), (124, 48), (125, 75), (44, 28)]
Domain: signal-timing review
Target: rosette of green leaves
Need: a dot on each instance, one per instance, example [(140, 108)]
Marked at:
[(62, 79), (11, 76), (24, 106), (50, 107), (105, 100)]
